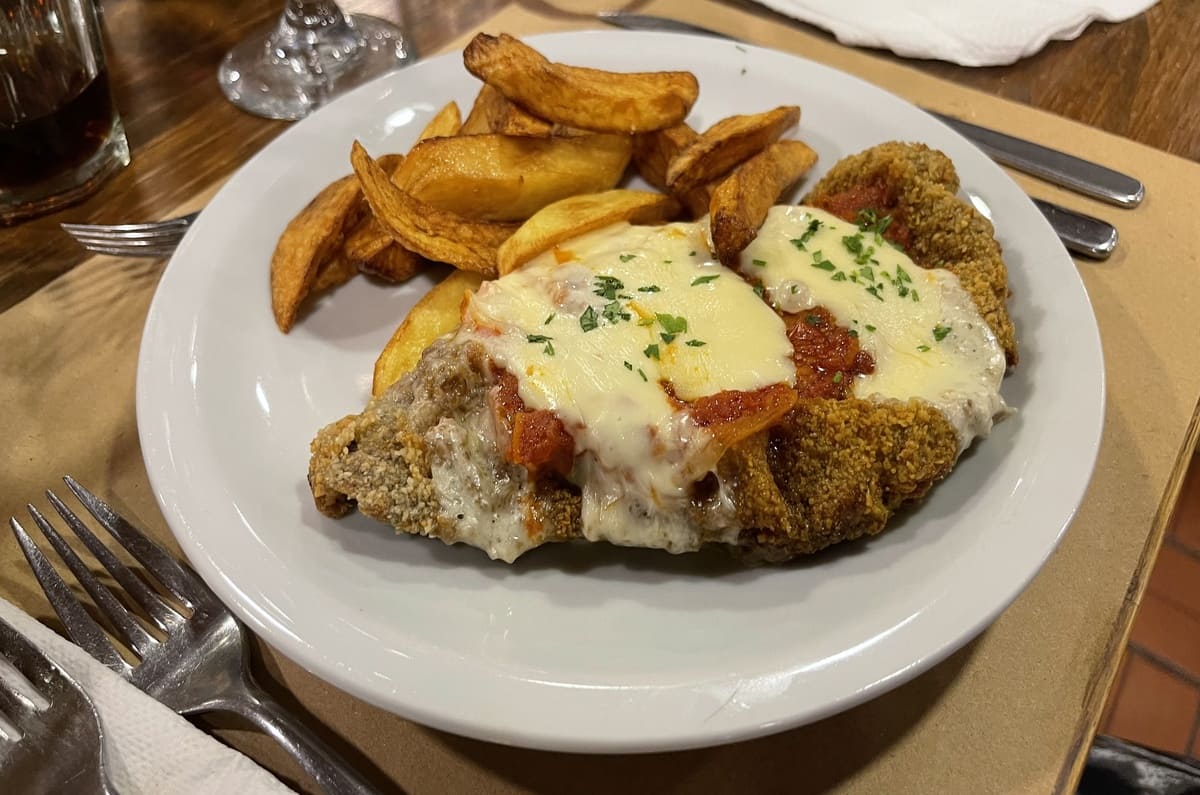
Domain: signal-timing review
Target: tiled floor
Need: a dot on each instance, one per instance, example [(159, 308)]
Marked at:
[(1156, 700)]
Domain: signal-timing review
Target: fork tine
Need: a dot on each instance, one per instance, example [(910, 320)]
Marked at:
[(19, 652), (80, 626), (129, 629), (181, 221), (164, 617), (157, 237), (121, 250), (186, 587)]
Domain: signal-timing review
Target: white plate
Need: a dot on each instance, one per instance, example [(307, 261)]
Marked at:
[(584, 648)]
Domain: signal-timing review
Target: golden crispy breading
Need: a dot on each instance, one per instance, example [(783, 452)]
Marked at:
[(946, 231)]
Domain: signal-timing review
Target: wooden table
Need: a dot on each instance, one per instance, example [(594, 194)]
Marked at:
[(1127, 78)]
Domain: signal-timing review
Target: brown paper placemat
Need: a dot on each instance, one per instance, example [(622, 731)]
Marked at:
[(1010, 712)]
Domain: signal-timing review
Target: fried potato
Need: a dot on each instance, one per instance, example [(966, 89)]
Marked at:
[(509, 178), (727, 143), (493, 113), (589, 99), (394, 263), (438, 235), (576, 215), (308, 242), (334, 273), (740, 202), (444, 124), (654, 151), (438, 312)]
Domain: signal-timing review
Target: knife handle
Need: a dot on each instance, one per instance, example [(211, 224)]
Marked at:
[(1059, 168), (1087, 236)]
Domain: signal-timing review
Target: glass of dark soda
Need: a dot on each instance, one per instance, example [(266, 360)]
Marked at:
[(60, 136)]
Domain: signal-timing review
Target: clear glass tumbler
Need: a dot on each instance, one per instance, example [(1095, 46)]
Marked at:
[(60, 135), (313, 52)]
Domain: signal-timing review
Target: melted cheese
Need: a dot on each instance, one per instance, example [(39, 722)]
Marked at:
[(923, 329), (590, 331)]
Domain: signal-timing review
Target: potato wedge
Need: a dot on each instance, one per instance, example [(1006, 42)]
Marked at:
[(740, 202), (654, 151), (509, 178), (435, 234), (394, 264), (589, 99), (334, 273), (493, 113), (573, 216), (727, 143), (444, 124), (438, 312), (310, 240)]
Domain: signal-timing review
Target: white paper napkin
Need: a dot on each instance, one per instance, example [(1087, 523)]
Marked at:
[(966, 32), (148, 748)]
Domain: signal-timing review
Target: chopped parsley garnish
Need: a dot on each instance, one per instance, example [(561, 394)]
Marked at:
[(588, 321), (762, 263), (705, 279), (940, 332), (853, 333), (824, 265), (546, 322), (627, 257), (837, 377), (643, 375), (691, 253), (539, 338), (874, 290), (758, 290), (916, 296), (695, 343), (869, 221), (628, 366), (649, 288), (613, 312), (651, 351), (853, 243), (923, 348), (869, 327), (813, 320), (668, 338), (840, 276), (667, 262), (607, 287), (801, 241), (672, 324)]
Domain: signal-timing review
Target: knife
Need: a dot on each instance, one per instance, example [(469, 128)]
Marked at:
[(1082, 234)]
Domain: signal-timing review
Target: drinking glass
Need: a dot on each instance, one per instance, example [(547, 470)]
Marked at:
[(311, 53), (60, 136)]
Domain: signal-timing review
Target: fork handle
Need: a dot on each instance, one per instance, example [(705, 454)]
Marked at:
[(331, 773)]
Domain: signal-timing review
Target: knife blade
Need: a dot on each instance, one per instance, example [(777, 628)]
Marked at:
[(1059, 168), (1081, 234)]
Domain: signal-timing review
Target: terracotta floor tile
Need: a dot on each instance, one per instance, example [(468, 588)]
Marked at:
[(1168, 631), (1153, 707), (1186, 527), (1176, 577)]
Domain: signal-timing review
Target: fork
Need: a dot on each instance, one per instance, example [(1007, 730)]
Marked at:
[(154, 239), (58, 743), (201, 663)]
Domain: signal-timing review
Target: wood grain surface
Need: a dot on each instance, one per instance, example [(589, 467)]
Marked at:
[(1137, 78)]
